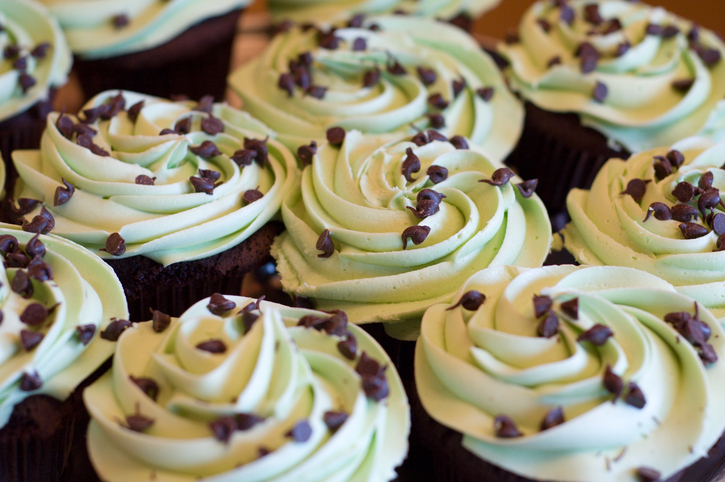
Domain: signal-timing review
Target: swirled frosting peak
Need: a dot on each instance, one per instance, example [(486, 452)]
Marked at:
[(237, 389), (382, 228), (172, 181), (393, 78), (640, 75), (575, 373), (35, 56), (661, 212), (57, 302)]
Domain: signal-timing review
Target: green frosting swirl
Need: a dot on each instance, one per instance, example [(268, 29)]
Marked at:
[(167, 221), (93, 31), (83, 291), (609, 228), (471, 366), (641, 109), (24, 26), (333, 10), (396, 103), (359, 194), (281, 375)]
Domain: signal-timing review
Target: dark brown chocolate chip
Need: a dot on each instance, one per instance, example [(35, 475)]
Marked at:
[(40, 50), (437, 101), (653, 29), (356, 21), (39, 224), (427, 76), (21, 63), (144, 180), (63, 194), (114, 329), (437, 121), (676, 158), (26, 82), (159, 321), (553, 417), (166, 132), (301, 432), (25, 206), (717, 223), (720, 243), (21, 284), (218, 305), (329, 41), (592, 15), (692, 230), (527, 188), (348, 346), (202, 184), (286, 82), (93, 114), (34, 315), (119, 21), (635, 396), (566, 14), (11, 51), (542, 305), (325, 244), (549, 326), (260, 147), (317, 91), (65, 126), (205, 104), (499, 177), (183, 126), (252, 195), (306, 152), (420, 139), (134, 111), (8, 243), (359, 45), (114, 105), (709, 56), (555, 60), (707, 354), (336, 324), (374, 382), (682, 85), (613, 25), (30, 381), (410, 165), (248, 320), (613, 383), (147, 385), (35, 247), (485, 93), (662, 167), (312, 321), (684, 192), (660, 210), (684, 212), (246, 421), (417, 235), (244, 157), (622, 48), (504, 427), (636, 188), (30, 339), (589, 56), (647, 474), (670, 31), (458, 85), (138, 423), (334, 420), (459, 142), (85, 333), (40, 270), (223, 428), (705, 181), (212, 126), (596, 335), (17, 260), (263, 452), (600, 92), (371, 77), (437, 174), (335, 136), (395, 68), (544, 24), (206, 150), (708, 200), (434, 135), (471, 300), (99, 151), (115, 245), (212, 346), (511, 38)]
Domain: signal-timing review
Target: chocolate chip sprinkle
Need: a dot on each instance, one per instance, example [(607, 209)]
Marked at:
[(64, 125), (286, 82), (544, 24), (144, 180), (720, 243), (717, 223), (417, 235), (30, 339), (134, 111), (115, 245), (459, 142), (8, 243), (499, 177), (682, 85), (636, 188), (437, 101), (34, 314), (316, 91), (553, 417), (159, 320), (63, 194), (26, 82), (215, 346), (542, 305), (566, 14), (119, 21), (11, 51), (437, 174), (622, 48), (648, 474), (600, 92), (218, 305), (410, 164), (662, 168), (549, 326), (211, 125), (504, 427), (301, 432), (17, 260), (597, 335), (371, 77), (21, 284), (684, 212), (40, 50), (359, 45), (246, 421), (692, 230), (244, 157), (709, 199), (348, 346), (427, 76), (40, 270), (470, 300), (684, 192), (527, 188), (252, 195), (325, 244), (485, 93), (334, 420), (138, 423), (306, 152), (85, 333), (635, 396), (335, 136), (260, 147), (613, 383), (395, 68), (35, 247), (223, 428), (206, 150), (205, 104), (30, 381), (21, 63), (555, 60), (183, 126), (437, 121), (660, 210)]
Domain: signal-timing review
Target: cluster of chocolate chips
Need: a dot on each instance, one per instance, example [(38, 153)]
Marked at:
[(207, 179), (614, 384), (428, 203), (20, 62), (503, 175), (505, 427), (695, 331), (300, 73)]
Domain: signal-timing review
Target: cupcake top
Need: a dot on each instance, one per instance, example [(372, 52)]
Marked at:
[(61, 311), (138, 175), (661, 212), (575, 373), (237, 389), (35, 57), (390, 77), (640, 75), (383, 229), (101, 29), (332, 10)]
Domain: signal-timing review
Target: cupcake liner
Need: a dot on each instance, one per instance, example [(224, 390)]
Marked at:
[(562, 154), (194, 64)]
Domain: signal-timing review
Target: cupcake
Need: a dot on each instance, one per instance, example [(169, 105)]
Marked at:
[(162, 48), (660, 212), (176, 196), (603, 79), (570, 374), (36, 61), (382, 229), (238, 389), (62, 308), (386, 79)]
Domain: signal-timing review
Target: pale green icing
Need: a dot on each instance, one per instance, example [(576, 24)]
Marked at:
[(641, 109), (608, 228), (471, 366), (168, 222), (276, 370), (335, 10), (26, 24), (86, 292), (89, 25), (359, 194), (396, 103)]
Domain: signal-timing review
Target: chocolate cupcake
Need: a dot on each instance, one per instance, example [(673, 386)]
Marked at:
[(603, 79), (161, 48), (177, 197)]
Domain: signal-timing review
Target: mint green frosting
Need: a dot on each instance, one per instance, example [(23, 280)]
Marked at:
[(397, 103), (471, 366), (275, 370), (641, 110), (84, 291), (168, 221), (91, 32), (608, 228), (359, 194), (27, 24), (332, 10)]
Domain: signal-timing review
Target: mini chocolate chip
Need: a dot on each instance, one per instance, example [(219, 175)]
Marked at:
[(437, 121), (705, 181), (437, 101), (600, 92), (707, 354), (212, 125), (356, 21), (17, 260), (653, 29), (417, 235), (375, 386), (434, 135), (306, 152), (26, 82), (527, 188), (549, 326), (336, 324), (35, 247), (210, 174), (99, 151), (511, 38), (223, 427), (40, 50), (286, 82), (437, 174), (692, 230), (622, 49), (504, 427), (85, 333), (301, 432), (395, 68), (244, 157), (63, 194), (684, 212), (114, 105), (485, 93), (138, 423), (720, 243), (329, 41), (555, 60), (8, 244), (65, 125), (459, 142), (119, 21), (662, 168), (682, 85), (566, 14), (542, 305), (263, 452), (596, 335), (427, 76), (348, 346), (145, 180), (166, 132), (589, 56), (591, 14), (30, 339), (708, 200), (40, 270), (410, 164), (334, 420), (21, 63), (134, 111), (613, 383), (317, 91), (458, 85), (613, 25), (371, 77), (21, 284), (115, 245), (544, 24), (212, 346), (471, 300), (670, 31), (661, 211), (709, 56), (38, 224), (252, 195), (634, 396), (717, 223), (159, 321), (11, 51), (260, 147), (325, 244), (218, 305), (647, 474), (147, 385), (30, 381), (248, 319), (93, 114), (684, 192), (420, 139), (553, 417), (114, 329), (202, 184), (359, 45), (499, 177), (205, 104), (246, 421), (302, 77), (206, 150), (636, 188)]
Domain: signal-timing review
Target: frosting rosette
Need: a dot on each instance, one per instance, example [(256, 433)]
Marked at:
[(393, 78), (57, 301), (401, 225), (332, 10), (239, 389), (36, 57), (100, 29), (638, 74), (575, 373), (640, 213), (138, 175)]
